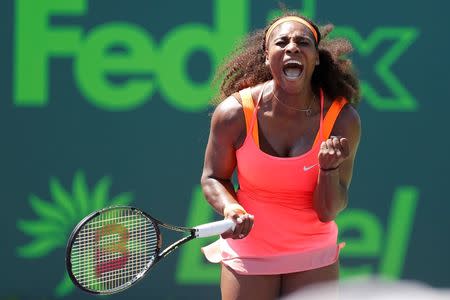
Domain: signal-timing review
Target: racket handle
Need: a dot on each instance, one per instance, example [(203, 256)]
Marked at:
[(214, 228)]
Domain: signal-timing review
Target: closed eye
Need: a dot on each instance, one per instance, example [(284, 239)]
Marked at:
[(304, 42), (281, 43)]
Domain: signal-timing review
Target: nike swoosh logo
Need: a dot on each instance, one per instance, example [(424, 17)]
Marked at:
[(305, 168)]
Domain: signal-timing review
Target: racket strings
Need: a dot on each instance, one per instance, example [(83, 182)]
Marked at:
[(113, 249), (131, 270), (105, 258)]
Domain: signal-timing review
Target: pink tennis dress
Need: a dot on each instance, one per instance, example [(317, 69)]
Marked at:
[(287, 235)]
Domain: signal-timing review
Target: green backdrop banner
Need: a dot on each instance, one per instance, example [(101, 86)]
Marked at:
[(107, 102)]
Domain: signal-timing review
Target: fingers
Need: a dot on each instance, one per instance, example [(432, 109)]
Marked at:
[(345, 147), (244, 224), (333, 152), (337, 145), (330, 146), (247, 224), (323, 147)]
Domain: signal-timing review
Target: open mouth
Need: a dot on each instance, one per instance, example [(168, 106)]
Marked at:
[(293, 69)]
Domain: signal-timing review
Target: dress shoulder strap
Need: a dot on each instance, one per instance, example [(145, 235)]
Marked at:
[(249, 109), (330, 118)]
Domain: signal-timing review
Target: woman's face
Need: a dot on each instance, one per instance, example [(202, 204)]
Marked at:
[(291, 54)]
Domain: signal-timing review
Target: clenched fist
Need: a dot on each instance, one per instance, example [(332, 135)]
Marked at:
[(333, 152), (243, 221)]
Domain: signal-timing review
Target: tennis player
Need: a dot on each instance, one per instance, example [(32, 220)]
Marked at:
[(288, 125)]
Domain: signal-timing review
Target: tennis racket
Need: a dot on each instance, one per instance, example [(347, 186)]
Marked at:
[(111, 249)]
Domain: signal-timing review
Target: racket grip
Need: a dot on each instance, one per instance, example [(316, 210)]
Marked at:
[(214, 228)]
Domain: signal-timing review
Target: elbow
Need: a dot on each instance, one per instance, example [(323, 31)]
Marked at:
[(329, 214), (208, 183), (325, 218), (323, 214), (205, 181)]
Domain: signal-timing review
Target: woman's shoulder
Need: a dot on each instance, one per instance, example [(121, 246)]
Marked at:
[(229, 110), (228, 117), (348, 122), (349, 115), (228, 122)]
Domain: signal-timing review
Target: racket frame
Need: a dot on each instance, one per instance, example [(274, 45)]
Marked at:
[(158, 253)]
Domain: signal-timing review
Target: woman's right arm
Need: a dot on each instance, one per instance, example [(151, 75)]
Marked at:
[(227, 132)]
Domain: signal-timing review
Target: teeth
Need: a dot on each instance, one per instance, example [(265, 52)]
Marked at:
[(293, 62), (292, 69), (292, 72)]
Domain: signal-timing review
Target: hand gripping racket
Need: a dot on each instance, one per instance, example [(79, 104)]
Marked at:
[(111, 249)]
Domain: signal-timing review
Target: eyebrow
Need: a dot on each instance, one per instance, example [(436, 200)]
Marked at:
[(285, 36)]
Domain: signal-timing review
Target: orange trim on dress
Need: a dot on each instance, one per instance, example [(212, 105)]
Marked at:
[(328, 122), (249, 107), (330, 117)]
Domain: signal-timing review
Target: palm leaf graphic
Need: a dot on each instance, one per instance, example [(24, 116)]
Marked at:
[(122, 199), (39, 247), (47, 211), (62, 198), (39, 228), (100, 194), (80, 192), (64, 286), (58, 218)]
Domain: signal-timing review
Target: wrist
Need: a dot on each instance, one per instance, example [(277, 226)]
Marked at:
[(329, 170), (233, 207)]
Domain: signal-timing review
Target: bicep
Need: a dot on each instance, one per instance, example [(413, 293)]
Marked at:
[(220, 158), (220, 155), (349, 127)]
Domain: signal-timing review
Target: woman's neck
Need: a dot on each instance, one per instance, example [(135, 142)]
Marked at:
[(299, 101)]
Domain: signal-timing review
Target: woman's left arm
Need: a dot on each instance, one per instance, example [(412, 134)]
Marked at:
[(336, 157)]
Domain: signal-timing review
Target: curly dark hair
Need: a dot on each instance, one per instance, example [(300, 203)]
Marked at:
[(246, 66)]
